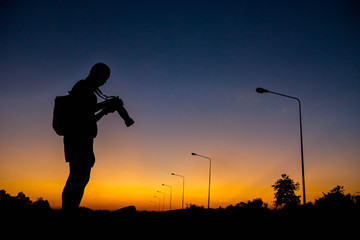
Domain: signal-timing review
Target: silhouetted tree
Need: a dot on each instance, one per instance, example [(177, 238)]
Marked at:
[(256, 203), (335, 198), (194, 207), (41, 204), (22, 200), (5, 200), (21, 203), (4, 196), (285, 191)]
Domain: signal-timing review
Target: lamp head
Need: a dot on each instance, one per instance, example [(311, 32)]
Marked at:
[(194, 154), (172, 173), (261, 90)]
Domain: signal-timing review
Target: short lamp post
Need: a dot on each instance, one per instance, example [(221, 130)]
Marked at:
[(182, 205), (165, 185), (194, 154)]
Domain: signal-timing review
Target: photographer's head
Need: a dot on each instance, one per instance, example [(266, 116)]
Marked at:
[(99, 73)]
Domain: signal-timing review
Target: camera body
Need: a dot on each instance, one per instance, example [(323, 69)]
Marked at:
[(116, 104)]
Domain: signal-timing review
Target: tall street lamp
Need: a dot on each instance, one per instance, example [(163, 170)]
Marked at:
[(165, 185), (262, 90), (194, 154), (163, 199), (182, 205)]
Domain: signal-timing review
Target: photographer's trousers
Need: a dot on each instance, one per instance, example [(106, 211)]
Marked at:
[(80, 155)]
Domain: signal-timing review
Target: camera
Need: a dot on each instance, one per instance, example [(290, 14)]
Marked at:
[(116, 104)]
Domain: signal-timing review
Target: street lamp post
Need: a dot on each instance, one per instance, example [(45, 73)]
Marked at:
[(262, 90), (163, 199), (159, 202), (182, 205), (155, 204), (165, 185), (194, 154)]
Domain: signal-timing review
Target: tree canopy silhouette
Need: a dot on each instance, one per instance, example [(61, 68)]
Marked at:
[(21, 202), (335, 198), (285, 192)]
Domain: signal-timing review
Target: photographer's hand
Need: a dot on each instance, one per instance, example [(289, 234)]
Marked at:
[(99, 106), (100, 114), (114, 102), (108, 110), (109, 103), (103, 112)]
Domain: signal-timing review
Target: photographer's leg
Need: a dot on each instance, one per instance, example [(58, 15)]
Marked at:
[(75, 185)]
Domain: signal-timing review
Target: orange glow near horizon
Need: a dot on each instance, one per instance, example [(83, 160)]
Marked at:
[(132, 179)]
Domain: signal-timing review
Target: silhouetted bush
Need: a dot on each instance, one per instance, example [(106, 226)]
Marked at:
[(335, 199), (41, 204), (194, 207), (256, 203), (21, 203)]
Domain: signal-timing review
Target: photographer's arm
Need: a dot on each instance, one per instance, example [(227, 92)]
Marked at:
[(100, 106), (102, 113), (107, 106), (105, 109)]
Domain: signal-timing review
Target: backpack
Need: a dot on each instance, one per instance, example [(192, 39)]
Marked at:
[(63, 112)]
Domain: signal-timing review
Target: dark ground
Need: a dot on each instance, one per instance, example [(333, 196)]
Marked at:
[(308, 221)]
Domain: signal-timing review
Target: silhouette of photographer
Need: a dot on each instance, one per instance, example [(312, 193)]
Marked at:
[(79, 138)]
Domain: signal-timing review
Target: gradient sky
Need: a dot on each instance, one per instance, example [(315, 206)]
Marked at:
[(187, 72)]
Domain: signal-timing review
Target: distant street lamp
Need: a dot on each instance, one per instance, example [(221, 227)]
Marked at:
[(262, 90), (194, 154), (182, 205), (165, 185), (159, 202), (163, 199), (155, 204)]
